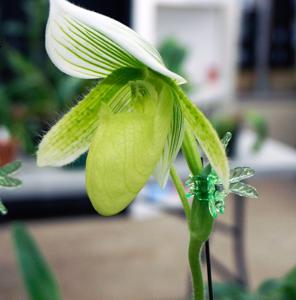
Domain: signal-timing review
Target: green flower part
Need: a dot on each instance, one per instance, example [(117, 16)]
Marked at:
[(209, 187), (132, 122)]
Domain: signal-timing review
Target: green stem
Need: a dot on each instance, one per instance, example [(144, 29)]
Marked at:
[(194, 251), (200, 219), (180, 189)]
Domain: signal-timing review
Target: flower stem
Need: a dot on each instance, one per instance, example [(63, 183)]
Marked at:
[(201, 224), (194, 251), (190, 151), (201, 221), (180, 189)]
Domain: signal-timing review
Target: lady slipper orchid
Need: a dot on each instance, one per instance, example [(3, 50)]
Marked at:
[(132, 122)]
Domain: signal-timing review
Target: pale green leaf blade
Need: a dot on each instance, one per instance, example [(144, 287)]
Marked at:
[(3, 209), (9, 182), (240, 173), (172, 146), (124, 153), (86, 44), (243, 190), (71, 136), (10, 168), (207, 137), (37, 276)]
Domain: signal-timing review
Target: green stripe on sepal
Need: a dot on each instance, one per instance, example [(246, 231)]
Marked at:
[(125, 151), (71, 136), (243, 190), (206, 135), (86, 44)]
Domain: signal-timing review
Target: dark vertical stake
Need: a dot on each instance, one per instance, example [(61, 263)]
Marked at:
[(239, 241), (209, 270)]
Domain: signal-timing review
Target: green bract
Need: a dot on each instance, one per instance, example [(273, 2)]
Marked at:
[(132, 122)]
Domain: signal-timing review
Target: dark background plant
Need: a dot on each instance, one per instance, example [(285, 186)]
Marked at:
[(283, 288), (31, 88)]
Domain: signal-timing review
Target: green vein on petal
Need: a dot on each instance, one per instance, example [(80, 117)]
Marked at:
[(71, 136), (125, 151)]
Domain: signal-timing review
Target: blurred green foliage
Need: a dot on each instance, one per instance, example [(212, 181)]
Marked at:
[(31, 87), (174, 55), (272, 289), (38, 278), (233, 122), (259, 125), (8, 181)]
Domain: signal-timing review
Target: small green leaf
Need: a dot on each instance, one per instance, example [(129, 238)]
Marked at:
[(3, 209), (125, 151), (10, 168), (9, 182), (37, 276), (240, 173), (243, 190)]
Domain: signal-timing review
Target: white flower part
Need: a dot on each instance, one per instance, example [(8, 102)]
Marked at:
[(85, 44)]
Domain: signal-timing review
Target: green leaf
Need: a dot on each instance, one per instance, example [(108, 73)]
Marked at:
[(289, 285), (10, 168), (240, 173), (229, 291), (270, 289), (3, 209), (125, 151), (9, 182), (206, 136), (71, 136), (37, 276), (243, 190)]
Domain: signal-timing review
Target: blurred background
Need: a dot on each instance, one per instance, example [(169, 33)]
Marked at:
[(239, 58)]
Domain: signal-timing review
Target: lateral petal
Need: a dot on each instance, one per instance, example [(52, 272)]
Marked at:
[(71, 136)]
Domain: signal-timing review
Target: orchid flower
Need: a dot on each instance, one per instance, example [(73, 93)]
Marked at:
[(132, 122)]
